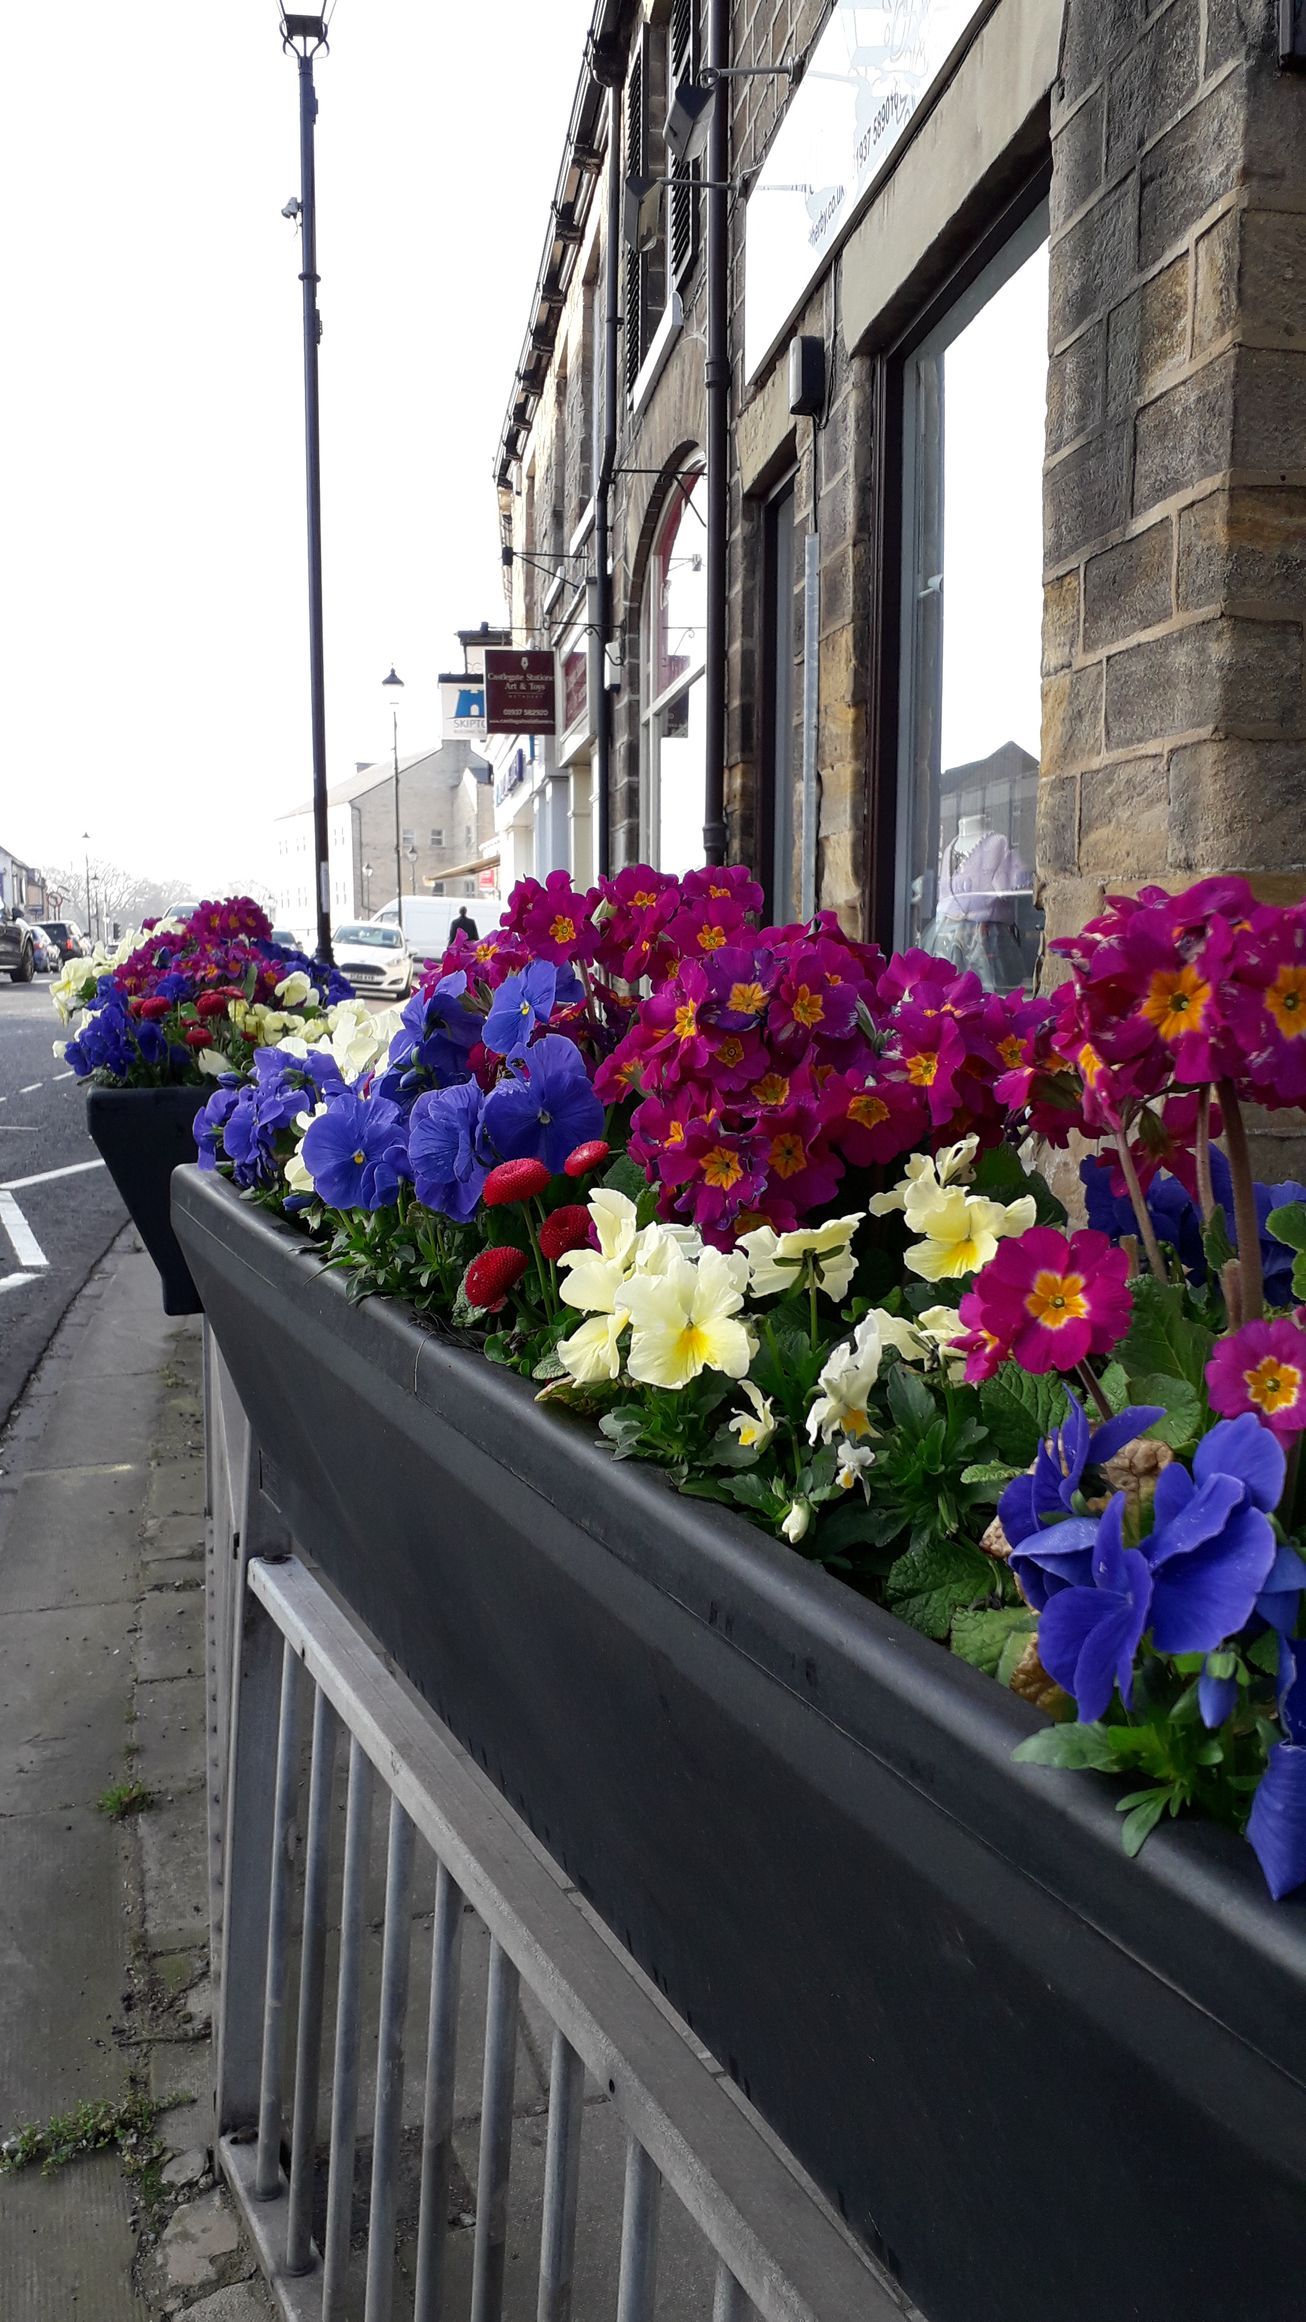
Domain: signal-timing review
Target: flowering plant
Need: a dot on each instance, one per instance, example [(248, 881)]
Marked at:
[(757, 1201), (182, 1001)]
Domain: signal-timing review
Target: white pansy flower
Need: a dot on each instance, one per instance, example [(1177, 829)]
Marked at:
[(778, 1262), (798, 1522), (212, 1063), (294, 1169), (855, 1459), (756, 1426), (594, 1279), (685, 1320), (961, 1231), (355, 1038), (943, 1326), (593, 1353), (294, 990), (924, 1176), (845, 1383)]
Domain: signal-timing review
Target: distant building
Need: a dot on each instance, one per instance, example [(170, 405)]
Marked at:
[(34, 894), (446, 826)]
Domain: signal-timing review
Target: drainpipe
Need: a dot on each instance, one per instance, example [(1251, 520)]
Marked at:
[(716, 376), (603, 707)]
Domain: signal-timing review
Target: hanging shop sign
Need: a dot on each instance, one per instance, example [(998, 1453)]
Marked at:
[(869, 72), (462, 706), (520, 691)]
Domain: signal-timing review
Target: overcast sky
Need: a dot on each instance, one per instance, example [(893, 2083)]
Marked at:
[(153, 637)]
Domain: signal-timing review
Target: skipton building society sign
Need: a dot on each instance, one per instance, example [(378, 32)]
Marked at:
[(869, 71)]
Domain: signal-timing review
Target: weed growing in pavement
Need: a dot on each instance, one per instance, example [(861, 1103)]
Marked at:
[(124, 1798), (127, 2123)]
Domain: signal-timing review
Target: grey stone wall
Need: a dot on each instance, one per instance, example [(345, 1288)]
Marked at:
[(432, 796), (1174, 712)]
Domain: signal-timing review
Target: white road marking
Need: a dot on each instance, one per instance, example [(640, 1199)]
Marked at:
[(32, 1084), (27, 1249), (15, 1281), (74, 1169), (64, 1075)]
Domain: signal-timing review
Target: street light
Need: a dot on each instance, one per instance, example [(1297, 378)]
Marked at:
[(412, 868), (367, 886), (391, 688), (302, 37)]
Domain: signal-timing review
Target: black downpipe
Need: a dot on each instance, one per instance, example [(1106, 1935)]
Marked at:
[(313, 477), (603, 707), (717, 381)]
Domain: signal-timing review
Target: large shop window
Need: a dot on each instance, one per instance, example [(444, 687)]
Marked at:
[(974, 412), (675, 631)]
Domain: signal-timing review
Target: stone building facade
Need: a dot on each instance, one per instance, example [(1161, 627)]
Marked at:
[(446, 820), (1058, 324)]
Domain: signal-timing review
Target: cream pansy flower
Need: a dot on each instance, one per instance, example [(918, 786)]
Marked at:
[(294, 990), (844, 1386), (855, 1459), (961, 1231), (685, 1320), (294, 1168), (354, 1038), (212, 1063), (779, 1262), (592, 1279), (756, 1426), (798, 1522), (924, 1175), (598, 1281), (943, 1326), (593, 1353)]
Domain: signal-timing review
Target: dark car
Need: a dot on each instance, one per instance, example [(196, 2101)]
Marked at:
[(48, 962), (17, 947), (287, 938), (67, 938)]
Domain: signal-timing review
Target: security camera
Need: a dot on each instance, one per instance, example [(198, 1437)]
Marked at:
[(292, 208)]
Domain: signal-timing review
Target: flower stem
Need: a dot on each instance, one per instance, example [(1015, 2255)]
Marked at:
[(811, 1306), (1244, 1204), (1291, 1485), (1093, 1388), (1146, 1229), (1205, 1183)]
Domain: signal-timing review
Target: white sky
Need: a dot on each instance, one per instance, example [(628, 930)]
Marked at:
[(153, 626)]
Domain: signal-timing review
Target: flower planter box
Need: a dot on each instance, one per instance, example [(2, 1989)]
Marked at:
[(1039, 2080), (144, 1134)]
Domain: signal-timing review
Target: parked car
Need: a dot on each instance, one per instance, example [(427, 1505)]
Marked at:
[(17, 947), (48, 962), (376, 958), (287, 937), (67, 938)]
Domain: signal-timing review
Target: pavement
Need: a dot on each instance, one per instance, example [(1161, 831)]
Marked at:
[(59, 1210), (103, 1923)]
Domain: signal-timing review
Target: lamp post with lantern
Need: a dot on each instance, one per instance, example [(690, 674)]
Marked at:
[(412, 868), (367, 887), (392, 686), (303, 36)]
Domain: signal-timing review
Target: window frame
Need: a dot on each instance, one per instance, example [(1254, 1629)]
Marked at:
[(882, 816), (768, 678), (653, 707)]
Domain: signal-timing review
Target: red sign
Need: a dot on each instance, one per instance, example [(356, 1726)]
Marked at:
[(520, 691)]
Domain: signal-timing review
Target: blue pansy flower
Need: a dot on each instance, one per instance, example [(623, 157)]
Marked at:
[(444, 1150), (1276, 1826), (430, 1050), (1047, 1560), (524, 1001), (355, 1152), (544, 1107), (1199, 1574), (210, 1123), (1177, 1219)]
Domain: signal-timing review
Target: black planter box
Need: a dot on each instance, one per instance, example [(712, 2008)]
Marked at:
[(1043, 2083), (144, 1134)]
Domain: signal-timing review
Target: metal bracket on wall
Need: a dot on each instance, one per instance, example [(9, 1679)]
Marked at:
[(1292, 34)]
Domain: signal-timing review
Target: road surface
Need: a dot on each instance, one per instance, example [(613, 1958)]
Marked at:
[(58, 1209)]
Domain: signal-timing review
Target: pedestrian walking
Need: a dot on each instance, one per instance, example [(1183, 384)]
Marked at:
[(464, 924)]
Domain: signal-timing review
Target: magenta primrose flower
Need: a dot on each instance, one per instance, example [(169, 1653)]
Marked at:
[(1048, 1302), (1262, 1369)]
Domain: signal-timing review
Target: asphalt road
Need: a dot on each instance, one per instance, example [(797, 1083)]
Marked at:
[(64, 1222)]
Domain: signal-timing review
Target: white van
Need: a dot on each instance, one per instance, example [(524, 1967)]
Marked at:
[(428, 920)]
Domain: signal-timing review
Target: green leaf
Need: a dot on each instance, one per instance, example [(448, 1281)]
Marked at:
[(849, 1525), (1289, 1224), (1181, 1403), (910, 1400), (751, 1491), (928, 1585), (1216, 1243), (1075, 1746), (982, 1637), (1013, 1653), (1264, 1654), (1162, 1342), (1001, 1176), (1142, 1811), (1019, 1410), (625, 1176)]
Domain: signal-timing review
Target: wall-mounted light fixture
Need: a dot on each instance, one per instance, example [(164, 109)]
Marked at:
[(689, 114), (641, 210)]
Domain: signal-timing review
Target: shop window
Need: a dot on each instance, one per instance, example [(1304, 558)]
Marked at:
[(673, 711), (666, 52), (974, 412), (778, 695)]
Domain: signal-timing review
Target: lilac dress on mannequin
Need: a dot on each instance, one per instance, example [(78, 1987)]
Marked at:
[(976, 923)]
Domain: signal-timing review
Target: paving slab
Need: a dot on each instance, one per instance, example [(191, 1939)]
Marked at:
[(174, 1851), (244, 2302), (201, 2247), (175, 1488), (71, 1537), (66, 2245), (99, 1424), (60, 1987), (172, 1635), (64, 1690), (169, 1733)]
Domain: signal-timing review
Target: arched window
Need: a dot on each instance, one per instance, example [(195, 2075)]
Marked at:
[(672, 719)]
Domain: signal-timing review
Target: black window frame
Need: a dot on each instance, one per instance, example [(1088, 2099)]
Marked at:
[(770, 644)]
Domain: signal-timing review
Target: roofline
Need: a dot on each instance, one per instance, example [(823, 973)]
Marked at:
[(582, 156)]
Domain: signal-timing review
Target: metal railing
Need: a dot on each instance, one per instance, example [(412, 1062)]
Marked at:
[(316, 2069)]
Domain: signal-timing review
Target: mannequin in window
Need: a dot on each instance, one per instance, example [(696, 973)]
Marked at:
[(981, 877)]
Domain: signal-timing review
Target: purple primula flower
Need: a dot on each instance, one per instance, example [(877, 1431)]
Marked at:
[(1088, 1637), (1276, 1826), (444, 1150), (544, 1107), (1047, 1560), (355, 1151), (524, 1001)]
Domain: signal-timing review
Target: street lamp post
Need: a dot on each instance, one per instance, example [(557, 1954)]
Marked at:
[(303, 36), (392, 686), (367, 886), (412, 869), (86, 844)]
